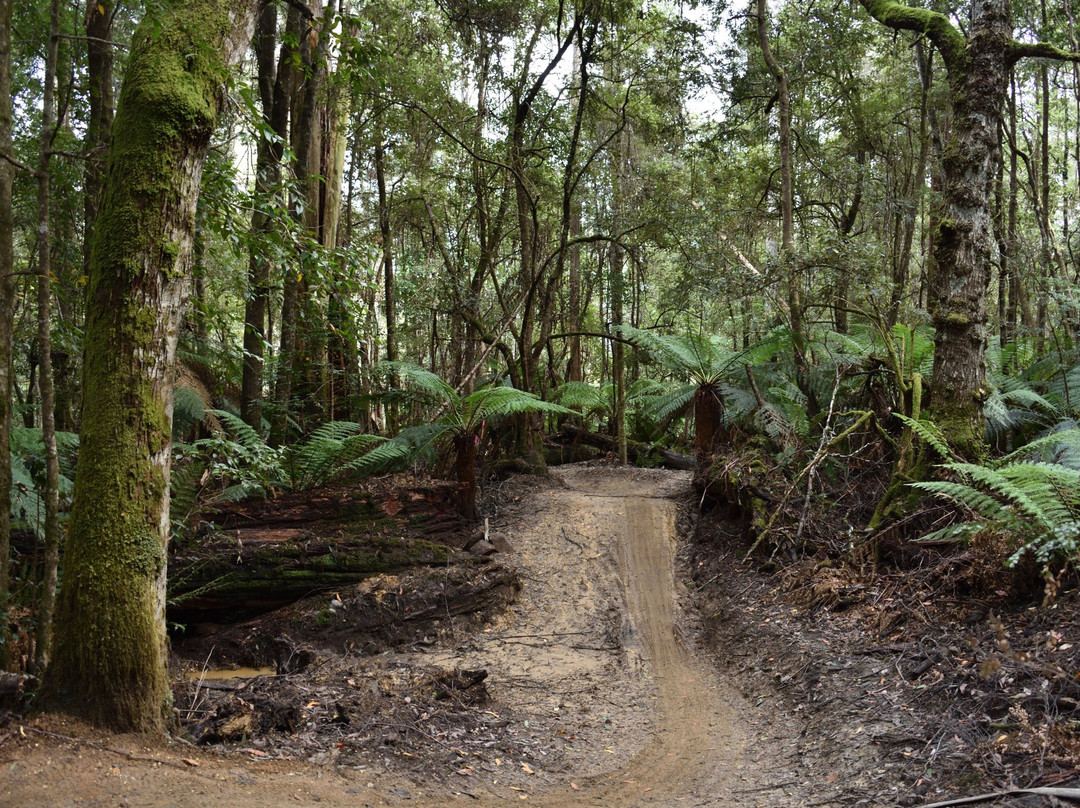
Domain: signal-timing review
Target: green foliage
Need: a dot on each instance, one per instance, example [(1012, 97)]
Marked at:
[(702, 359), (28, 476), (244, 465), (1032, 500), (455, 416), (929, 433)]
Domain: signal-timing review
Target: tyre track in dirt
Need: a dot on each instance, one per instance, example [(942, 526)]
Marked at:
[(695, 753)]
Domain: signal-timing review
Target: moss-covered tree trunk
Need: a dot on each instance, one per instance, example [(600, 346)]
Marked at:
[(51, 495), (978, 66), (964, 237), (109, 663)]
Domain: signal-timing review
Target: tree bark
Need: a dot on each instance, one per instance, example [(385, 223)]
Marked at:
[(787, 209), (7, 315), (978, 68), (99, 65), (296, 331), (109, 662), (275, 88), (45, 377), (386, 235)]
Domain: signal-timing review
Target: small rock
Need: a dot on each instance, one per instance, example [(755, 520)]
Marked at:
[(501, 543), (483, 548)]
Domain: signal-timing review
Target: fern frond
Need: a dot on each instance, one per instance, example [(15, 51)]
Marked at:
[(1024, 497), (582, 397), (412, 379), (241, 431), (965, 495), (738, 403), (242, 490), (398, 452), (928, 432), (676, 401), (960, 532), (1059, 443), (493, 402)]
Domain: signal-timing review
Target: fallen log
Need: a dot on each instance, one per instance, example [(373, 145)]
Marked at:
[(239, 574), (15, 684), (640, 454)]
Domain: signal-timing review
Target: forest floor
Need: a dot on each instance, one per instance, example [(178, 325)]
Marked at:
[(617, 653)]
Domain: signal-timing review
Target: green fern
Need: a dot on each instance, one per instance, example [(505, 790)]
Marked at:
[(1060, 446), (1038, 503), (325, 454), (244, 465), (587, 399), (459, 421), (929, 432)]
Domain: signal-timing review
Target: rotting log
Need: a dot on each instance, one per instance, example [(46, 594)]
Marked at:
[(642, 454), (233, 578), (380, 612)]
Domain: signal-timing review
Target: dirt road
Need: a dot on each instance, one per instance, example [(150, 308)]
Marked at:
[(611, 706)]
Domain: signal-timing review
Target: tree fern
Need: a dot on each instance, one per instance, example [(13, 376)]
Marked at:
[(586, 399), (28, 475), (457, 423), (326, 453), (245, 465)]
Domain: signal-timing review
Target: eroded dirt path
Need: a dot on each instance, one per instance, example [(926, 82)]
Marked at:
[(697, 748), (610, 704)]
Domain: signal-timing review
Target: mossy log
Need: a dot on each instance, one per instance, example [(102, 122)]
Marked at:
[(641, 454), (229, 578)]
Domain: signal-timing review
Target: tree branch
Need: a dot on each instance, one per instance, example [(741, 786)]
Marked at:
[(21, 166), (304, 10), (936, 27), (1040, 50)]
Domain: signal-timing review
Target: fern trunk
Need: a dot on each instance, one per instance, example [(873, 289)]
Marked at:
[(708, 414), (109, 663), (465, 449)]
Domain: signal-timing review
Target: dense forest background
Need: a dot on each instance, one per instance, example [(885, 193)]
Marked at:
[(767, 235)]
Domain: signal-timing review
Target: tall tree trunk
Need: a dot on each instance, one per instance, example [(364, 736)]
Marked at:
[(913, 185), (7, 315), (964, 234), (99, 73), (1043, 211), (979, 68), (296, 331), (44, 300), (386, 236), (620, 192), (787, 205), (275, 89), (109, 656), (1009, 278)]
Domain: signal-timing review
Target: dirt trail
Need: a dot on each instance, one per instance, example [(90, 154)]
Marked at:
[(697, 748), (595, 654)]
